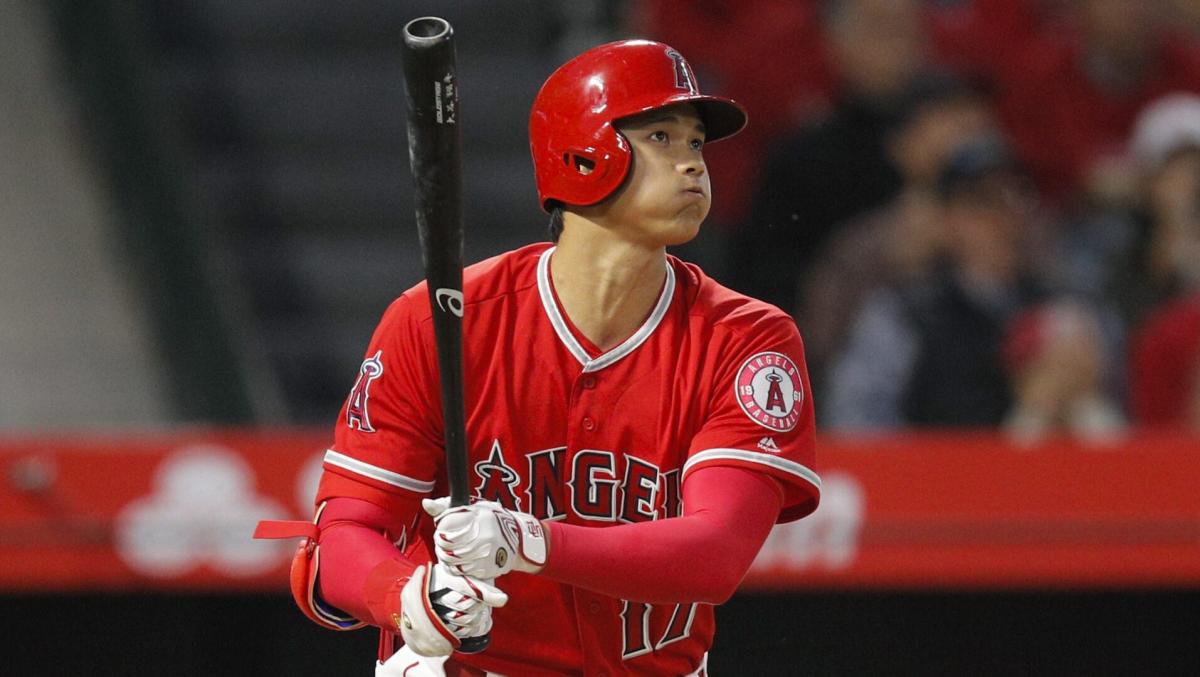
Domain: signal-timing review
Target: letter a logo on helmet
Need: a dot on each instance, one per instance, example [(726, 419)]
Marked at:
[(579, 158), (683, 73)]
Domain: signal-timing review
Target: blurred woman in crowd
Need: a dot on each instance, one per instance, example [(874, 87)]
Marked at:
[(1164, 376)]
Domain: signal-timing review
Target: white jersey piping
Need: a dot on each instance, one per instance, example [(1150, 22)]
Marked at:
[(376, 473), (572, 344), (783, 464)]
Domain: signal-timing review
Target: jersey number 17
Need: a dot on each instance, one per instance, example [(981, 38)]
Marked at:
[(636, 616)]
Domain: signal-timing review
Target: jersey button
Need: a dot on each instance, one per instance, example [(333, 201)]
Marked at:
[(593, 608), (588, 423), (589, 382)]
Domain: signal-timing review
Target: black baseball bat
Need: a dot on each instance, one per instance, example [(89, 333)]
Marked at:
[(435, 156)]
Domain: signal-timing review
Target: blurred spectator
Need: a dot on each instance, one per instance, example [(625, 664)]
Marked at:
[(1056, 358), (1070, 100), (1165, 350), (1167, 144), (898, 241), (837, 167), (1134, 255), (927, 351), (769, 55)]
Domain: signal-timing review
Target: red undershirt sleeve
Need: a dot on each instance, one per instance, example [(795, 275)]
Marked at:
[(700, 556), (353, 546)]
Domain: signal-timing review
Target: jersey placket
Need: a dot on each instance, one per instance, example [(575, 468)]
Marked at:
[(585, 423)]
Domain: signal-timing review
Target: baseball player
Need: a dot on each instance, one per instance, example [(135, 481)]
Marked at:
[(634, 429)]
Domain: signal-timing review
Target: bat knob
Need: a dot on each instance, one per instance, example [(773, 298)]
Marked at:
[(475, 644), (427, 29)]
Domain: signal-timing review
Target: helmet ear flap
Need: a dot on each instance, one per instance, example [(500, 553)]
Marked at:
[(585, 161), (592, 173)]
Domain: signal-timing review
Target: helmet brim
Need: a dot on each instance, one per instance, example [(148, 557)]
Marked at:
[(722, 117)]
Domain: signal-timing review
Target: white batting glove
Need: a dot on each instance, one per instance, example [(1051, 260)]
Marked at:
[(442, 612), (485, 540)]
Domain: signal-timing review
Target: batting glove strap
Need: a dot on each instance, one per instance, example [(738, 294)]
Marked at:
[(524, 535), (484, 540)]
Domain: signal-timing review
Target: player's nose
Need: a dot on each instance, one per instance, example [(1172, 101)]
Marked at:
[(692, 165)]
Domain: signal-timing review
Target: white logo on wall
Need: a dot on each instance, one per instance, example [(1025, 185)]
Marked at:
[(202, 512), (828, 537)]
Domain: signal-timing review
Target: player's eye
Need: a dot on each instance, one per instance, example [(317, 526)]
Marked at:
[(696, 144), (658, 135)]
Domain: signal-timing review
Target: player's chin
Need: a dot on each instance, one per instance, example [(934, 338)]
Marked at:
[(675, 232), (686, 225)]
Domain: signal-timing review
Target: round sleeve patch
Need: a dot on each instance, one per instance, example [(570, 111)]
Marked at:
[(769, 390)]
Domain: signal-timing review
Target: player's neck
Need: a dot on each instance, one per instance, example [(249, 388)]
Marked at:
[(606, 285)]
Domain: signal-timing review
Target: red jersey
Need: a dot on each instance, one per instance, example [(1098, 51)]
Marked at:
[(563, 431)]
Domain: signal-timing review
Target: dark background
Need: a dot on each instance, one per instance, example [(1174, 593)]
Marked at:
[(820, 633)]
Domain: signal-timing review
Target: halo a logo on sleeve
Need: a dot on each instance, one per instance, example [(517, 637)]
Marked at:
[(769, 390), (357, 416)]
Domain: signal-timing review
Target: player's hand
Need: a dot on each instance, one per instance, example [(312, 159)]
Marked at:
[(485, 540), (442, 612)]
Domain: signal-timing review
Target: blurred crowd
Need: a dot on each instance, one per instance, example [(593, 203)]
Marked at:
[(980, 212)]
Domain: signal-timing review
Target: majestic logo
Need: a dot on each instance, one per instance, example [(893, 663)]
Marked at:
[(768, 444), (357, 416), (769, 390)]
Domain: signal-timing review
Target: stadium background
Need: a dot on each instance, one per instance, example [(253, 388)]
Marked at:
[(205, 206)]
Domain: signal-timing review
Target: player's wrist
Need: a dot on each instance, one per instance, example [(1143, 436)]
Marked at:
[(381, 592), (537, 568), (530, 544)]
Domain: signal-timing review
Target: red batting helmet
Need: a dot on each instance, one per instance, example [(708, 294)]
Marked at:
[(571, 126)]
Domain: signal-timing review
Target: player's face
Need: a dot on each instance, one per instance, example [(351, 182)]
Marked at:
[(667, 194)]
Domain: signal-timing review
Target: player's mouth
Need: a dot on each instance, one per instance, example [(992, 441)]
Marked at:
[(697, 190)]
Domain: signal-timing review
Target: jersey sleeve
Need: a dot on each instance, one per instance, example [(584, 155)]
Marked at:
[(760, 415), (387, 442)]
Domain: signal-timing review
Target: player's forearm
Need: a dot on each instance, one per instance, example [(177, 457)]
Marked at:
[(701, 556), (353, 545)]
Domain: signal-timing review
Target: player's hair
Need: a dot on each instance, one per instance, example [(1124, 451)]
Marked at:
[(556, 221)]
